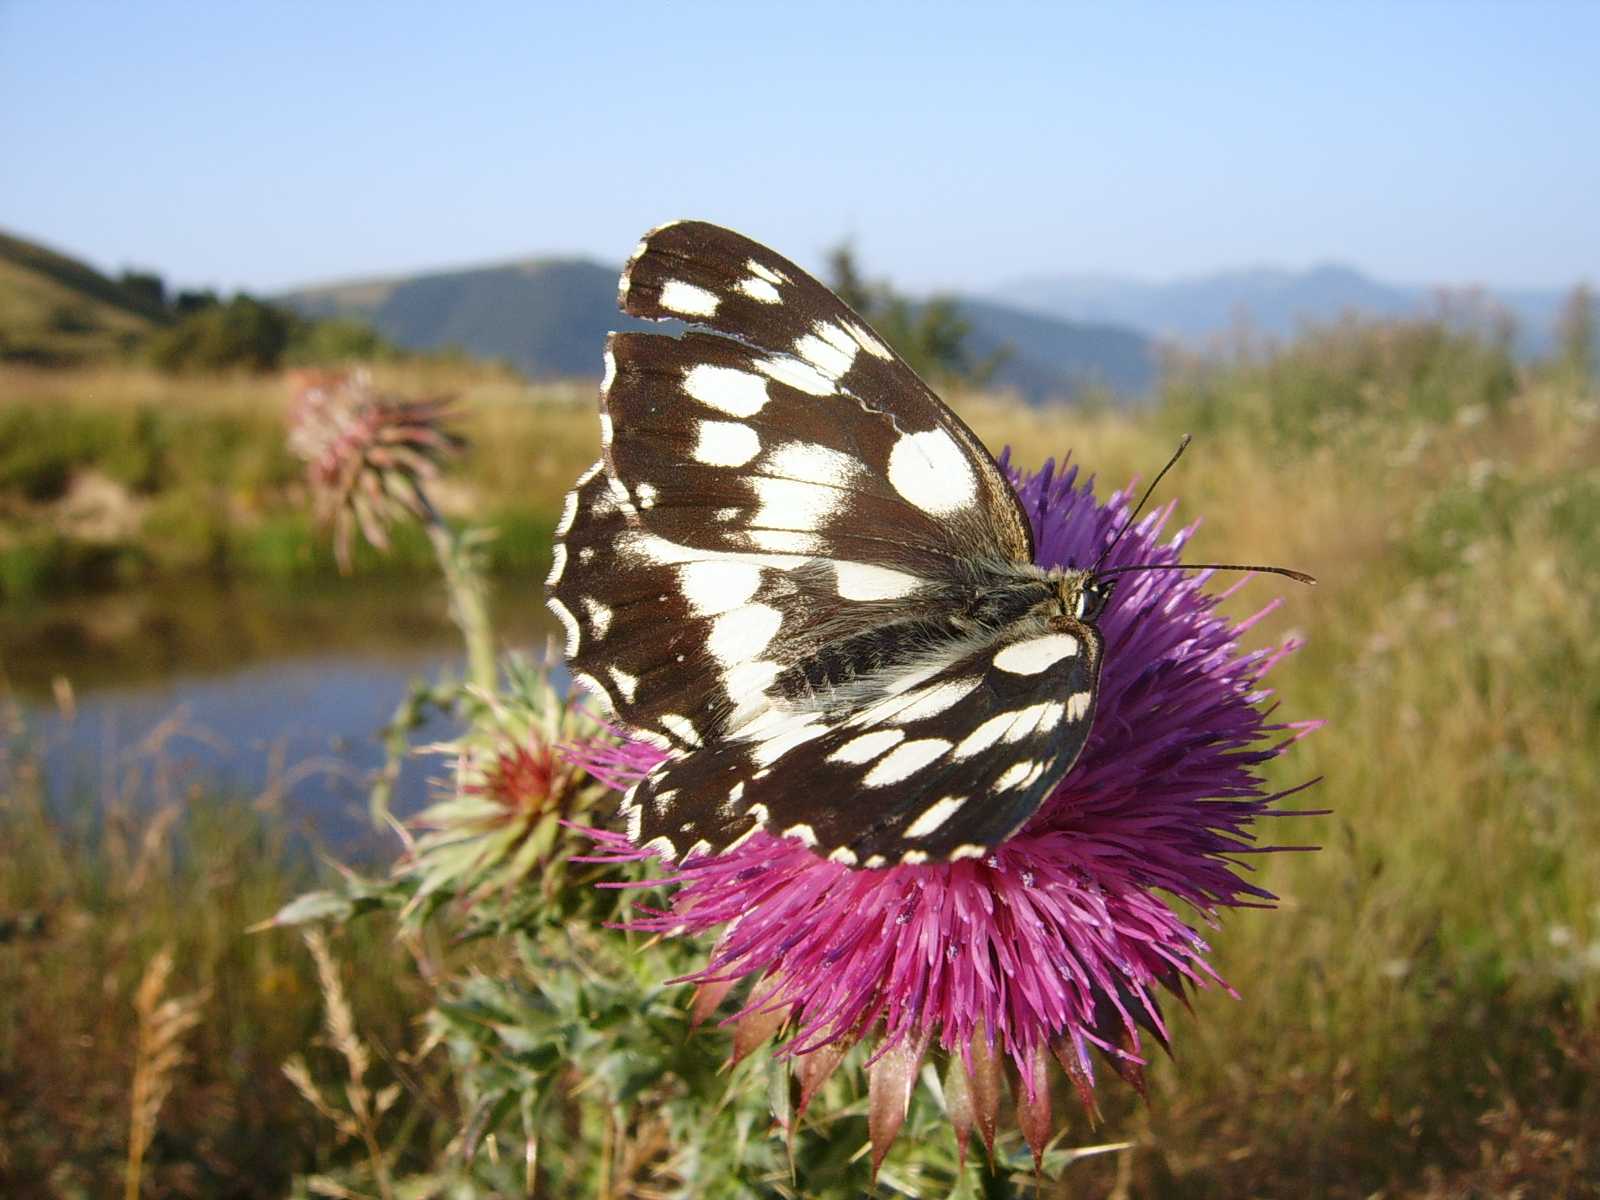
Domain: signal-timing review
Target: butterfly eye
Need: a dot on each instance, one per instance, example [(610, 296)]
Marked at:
[(1092, 599)]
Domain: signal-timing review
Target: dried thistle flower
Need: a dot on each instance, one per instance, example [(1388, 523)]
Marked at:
[(369, 455), (1055, 945)]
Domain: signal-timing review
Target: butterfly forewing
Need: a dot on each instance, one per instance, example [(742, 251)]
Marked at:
[(783, 570), (805, 335)]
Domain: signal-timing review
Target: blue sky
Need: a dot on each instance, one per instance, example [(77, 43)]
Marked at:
[(961, 145)]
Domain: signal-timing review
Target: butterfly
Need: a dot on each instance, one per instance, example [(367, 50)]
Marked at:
[(800, 574)]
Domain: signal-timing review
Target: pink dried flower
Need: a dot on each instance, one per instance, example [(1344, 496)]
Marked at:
[(1056, 944), (368, 455)]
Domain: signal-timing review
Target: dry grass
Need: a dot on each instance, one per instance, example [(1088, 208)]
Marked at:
[(163, 1024)]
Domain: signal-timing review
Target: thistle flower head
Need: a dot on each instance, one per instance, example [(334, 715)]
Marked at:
[(1056, 944), (368, 455), (500, 822)]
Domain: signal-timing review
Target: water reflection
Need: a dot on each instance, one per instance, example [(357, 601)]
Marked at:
[(274, 694)]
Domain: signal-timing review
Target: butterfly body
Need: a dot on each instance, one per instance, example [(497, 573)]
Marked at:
[(804, 577)]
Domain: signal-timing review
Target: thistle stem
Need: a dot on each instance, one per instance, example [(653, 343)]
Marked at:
[(469, 595)]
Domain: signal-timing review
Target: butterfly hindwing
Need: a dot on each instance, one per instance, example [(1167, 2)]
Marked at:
[(961, 757)]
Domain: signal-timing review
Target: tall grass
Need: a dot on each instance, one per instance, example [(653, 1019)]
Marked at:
[(113, 1069)]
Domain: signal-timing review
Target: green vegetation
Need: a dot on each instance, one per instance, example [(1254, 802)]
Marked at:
[(113, 476), (1421, 1017), (57, 312)]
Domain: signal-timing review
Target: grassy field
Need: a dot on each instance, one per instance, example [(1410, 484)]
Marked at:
[(1420, 1017)]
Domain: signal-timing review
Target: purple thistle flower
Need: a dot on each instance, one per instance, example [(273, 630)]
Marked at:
[(1055, 944)]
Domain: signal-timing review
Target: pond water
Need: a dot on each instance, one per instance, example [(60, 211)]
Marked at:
[(276, 695)]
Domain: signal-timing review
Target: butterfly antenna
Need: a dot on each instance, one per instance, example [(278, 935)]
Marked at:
[(1297, 576), (1183, 445)]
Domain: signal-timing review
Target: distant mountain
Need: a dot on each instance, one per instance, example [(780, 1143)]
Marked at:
[(1268, 300), (548, 317), (56, 310)]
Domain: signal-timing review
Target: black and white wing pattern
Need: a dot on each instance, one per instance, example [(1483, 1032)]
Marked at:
[(801, 574)]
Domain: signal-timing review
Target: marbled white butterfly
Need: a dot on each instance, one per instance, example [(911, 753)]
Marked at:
[(802, 575)]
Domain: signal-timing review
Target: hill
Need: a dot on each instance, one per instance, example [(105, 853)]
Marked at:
[(57, 310), (1267, 299), (548, 317)]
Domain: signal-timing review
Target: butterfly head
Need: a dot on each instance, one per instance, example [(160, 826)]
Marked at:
[(1081, 594)]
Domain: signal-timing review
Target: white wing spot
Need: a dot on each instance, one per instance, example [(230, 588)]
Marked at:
[(759, 289), (867, 746), (726, 389), (770, 751), (568, 621), (795, 374), (874, 861), (558, 564), (743, 633), (804, 832), (843, 855), (904, 761), (1030, 720), (725, 444), (933, 701), (626, 684), (808, 462), (686, 298), (1017, 775), (912, 858), (870, 344), (662, 845), (647, 495), (680, 728), (984, 736), (932, 472), (586, 554), (830, 350), (793, 503), (970, 850), (1036, 654), (1078, 705), (714, 586), (599, 616), (935, 815), (762, 271), (864, 581), (746, 685)]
